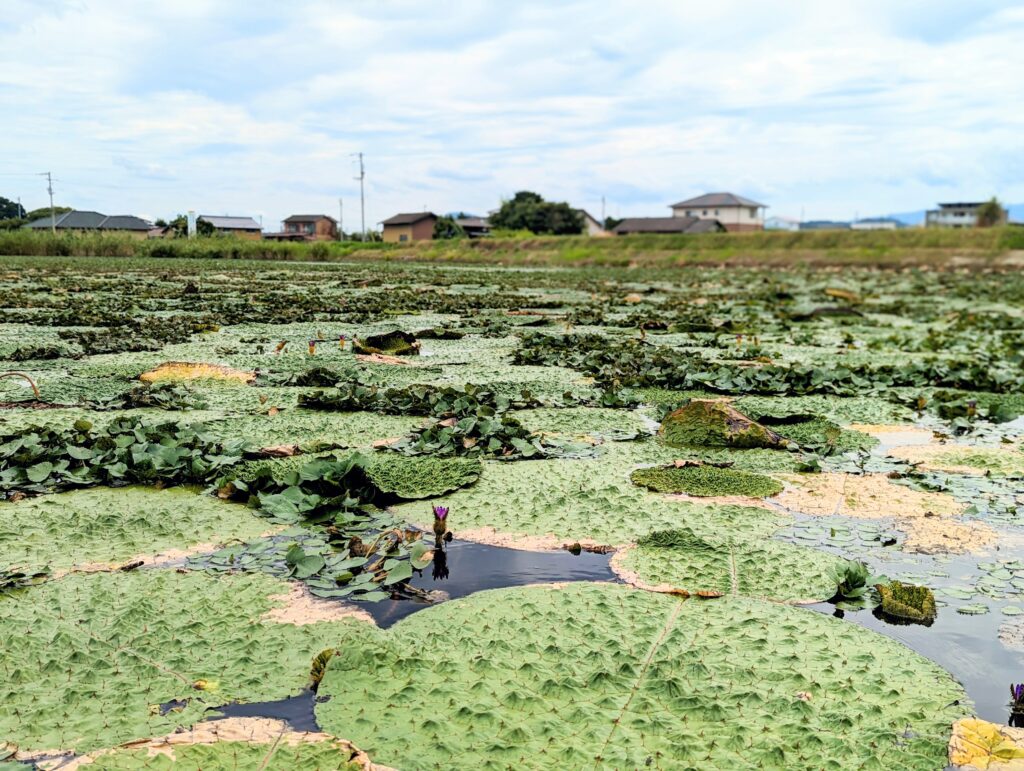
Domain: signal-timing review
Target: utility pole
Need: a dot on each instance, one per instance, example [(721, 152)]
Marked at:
[(53, 212), (341, 219), (362, 197), (603, 218)]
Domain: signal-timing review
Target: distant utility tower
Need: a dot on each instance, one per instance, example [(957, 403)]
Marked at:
[(49, 189), (362, 197)]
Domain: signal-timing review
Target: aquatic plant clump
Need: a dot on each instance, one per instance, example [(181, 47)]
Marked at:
[(710, 423), (587, 675), (422, 477), (916, 603), (706, 480)]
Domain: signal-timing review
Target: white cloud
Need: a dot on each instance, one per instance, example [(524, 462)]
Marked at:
[(223, 106)]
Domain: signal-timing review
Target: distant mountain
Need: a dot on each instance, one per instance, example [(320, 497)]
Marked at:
[(917, 217)]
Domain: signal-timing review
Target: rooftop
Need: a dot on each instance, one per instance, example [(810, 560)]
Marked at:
[(409, 219), (717, 199), (666, 225), (91, 220), (310, 218), (231, 223)]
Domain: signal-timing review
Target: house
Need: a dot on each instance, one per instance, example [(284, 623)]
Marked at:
[(306, 227), (824, 225), (241, 227), (474, 227), (81, 221), (877, 223), (418, 226), (591, 227), (687, 225), (955, 215), (782, 223), (735, 212)]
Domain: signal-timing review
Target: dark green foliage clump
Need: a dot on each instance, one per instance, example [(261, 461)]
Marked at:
[(811, 432), (710, 423), (916, 603), (327, 489), (439, 333), (36, 353), (163, 396), (395, 343), (414, 400), (706, 480), (126, 451), (422, 477)]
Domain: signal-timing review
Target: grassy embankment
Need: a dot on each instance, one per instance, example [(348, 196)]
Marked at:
[(970, 247)]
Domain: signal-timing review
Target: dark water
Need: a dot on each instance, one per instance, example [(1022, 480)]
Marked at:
[(967, 647), (461, 569), (473, 567), (296, 711)]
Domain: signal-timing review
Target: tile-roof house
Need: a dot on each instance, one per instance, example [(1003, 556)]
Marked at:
[(416, 226), (93, 220), (243, 227), (735, 212), (666, 225), (306, 227)]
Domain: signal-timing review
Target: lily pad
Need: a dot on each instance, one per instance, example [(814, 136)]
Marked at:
[(87, 657), (589, 675), (115, 525)]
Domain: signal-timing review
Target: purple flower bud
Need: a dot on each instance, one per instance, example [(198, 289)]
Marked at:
[(440, 512)]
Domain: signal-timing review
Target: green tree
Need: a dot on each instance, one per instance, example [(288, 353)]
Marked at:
[(447, 228), (10, 210), (38, 214), (610, 223), (991, 213), (179, 227), (529, 211)]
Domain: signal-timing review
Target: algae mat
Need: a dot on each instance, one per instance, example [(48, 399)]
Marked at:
[(605, 676), (88, 659)]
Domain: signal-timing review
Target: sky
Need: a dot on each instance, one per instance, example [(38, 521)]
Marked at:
[(819, 109)]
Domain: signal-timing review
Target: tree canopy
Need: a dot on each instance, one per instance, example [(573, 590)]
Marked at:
[(10, 210), (990, 213), (446, 228), (529, 211)]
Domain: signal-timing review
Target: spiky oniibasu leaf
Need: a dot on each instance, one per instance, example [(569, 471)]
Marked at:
[(87, 657), (112, 525), (752, 567), (600, 676)]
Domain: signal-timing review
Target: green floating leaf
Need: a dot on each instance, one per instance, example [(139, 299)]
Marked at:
[(976, 609), (546, 677)]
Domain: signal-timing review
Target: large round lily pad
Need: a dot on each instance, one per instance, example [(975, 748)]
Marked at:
[(113, 525), (753, 567), (88, 659), (603, 676)]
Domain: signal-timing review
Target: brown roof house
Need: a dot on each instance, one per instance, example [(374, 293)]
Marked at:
[(735, 212), (306, 227), (401, 228), (667, 225)]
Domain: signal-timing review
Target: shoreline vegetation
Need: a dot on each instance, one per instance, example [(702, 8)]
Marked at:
[(984, 248)]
